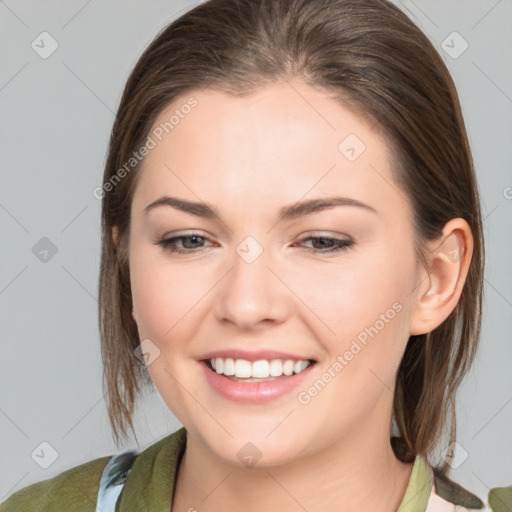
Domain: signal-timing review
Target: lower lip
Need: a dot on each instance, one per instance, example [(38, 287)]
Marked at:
[(253, 392)]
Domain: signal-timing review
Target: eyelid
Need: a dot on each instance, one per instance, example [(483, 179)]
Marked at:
[(341, 245), (177, 234), (309, 234), (325, 234)]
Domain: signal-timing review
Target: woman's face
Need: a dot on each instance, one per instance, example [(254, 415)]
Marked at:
[(252, 281)]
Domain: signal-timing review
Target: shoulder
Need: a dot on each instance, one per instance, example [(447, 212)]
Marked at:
[(75, 489)]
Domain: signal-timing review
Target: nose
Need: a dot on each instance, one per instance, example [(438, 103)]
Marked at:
[(251, 294)]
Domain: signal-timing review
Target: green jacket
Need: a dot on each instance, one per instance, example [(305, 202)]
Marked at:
[(150, 484)]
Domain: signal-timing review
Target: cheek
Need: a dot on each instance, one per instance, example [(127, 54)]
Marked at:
[(350, 295), (155, 297), (167, 297), (364, 308)]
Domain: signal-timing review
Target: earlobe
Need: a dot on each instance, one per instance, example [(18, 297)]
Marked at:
[(449, 259)]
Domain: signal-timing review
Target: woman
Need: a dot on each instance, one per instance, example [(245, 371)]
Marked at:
[(292, 253)]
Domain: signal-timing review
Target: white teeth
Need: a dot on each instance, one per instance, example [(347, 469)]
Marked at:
[(262, 369), (229, 366), (288, 367), (276, 368), (243, 368)]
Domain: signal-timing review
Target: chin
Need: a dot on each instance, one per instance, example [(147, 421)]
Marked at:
[(256, 448)]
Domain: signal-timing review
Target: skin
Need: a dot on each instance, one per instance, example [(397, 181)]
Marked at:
[(249, 157)]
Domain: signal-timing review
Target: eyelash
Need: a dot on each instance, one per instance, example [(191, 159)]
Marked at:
[(168, 244)]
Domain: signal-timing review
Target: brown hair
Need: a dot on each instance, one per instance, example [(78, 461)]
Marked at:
[(367, 52)]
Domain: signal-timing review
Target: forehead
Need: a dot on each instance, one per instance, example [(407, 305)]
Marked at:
[(296, 112), (279, 143)]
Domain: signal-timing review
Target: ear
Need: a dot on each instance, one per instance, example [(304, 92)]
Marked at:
[(440, 288)]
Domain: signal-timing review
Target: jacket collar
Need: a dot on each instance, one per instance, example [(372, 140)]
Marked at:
[(152, 479)]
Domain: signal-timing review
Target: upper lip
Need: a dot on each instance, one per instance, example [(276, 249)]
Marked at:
[(253, 355)]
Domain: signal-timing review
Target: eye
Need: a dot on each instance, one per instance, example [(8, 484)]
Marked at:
[(193, 243), (332, 244), (189, 243)]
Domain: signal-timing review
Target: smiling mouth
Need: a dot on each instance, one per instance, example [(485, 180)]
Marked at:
[(241, 370)]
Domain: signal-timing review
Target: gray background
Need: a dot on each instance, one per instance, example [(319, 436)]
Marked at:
[(55, 120)]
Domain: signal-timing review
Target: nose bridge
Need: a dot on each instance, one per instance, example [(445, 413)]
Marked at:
[(251, 292)]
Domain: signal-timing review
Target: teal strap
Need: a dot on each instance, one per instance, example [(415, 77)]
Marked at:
[(113, 479)]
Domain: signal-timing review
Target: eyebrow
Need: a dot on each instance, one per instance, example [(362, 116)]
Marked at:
[(286, 213)]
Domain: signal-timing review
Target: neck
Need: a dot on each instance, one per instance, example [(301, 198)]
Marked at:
[(357, 472)]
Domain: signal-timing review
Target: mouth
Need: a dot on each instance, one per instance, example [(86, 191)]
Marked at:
[(245, 388), (263, 370)]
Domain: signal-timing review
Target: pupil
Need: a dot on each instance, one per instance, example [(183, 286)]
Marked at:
[(194, 239), (323, 240)]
